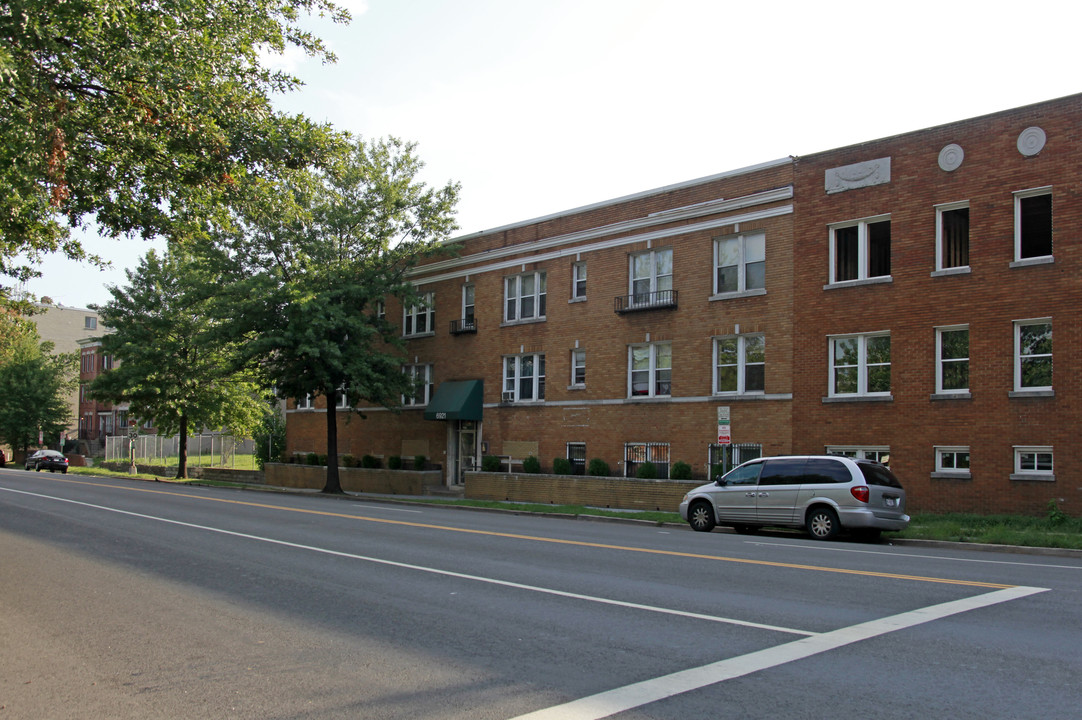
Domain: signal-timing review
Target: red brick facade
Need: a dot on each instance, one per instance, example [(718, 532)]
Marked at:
[(809, 214)]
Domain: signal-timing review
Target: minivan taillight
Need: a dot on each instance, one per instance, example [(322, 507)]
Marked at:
[(861, 492)]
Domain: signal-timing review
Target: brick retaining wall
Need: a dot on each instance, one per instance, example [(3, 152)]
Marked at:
[(608, 492), (377, 480)]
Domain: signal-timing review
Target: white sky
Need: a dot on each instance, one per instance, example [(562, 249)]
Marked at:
[(538, 107)]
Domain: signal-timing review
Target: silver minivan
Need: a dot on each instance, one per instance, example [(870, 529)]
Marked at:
[(822, 493)]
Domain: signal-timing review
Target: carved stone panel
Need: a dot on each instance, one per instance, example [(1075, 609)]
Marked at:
[(858, 175)]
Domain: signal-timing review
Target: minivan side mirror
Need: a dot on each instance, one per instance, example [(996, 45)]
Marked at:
[(720, 480)]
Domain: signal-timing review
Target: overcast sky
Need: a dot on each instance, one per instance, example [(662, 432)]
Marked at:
[(538, 107)]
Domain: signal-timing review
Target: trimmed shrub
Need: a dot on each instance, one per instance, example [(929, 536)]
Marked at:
[(322, 459), (394, 462), (598, 468), (531, 465), (311, 459), (646, 471), (561, 466), (490, 463), (680, 471), (419, 462), (370, 461)]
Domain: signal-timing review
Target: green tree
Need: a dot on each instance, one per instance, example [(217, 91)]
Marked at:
[(315, 263), (172, 364), (34, 384), (133, 113)]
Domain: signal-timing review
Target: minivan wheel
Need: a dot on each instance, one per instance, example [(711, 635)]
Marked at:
[(701, 516), (822, 523)]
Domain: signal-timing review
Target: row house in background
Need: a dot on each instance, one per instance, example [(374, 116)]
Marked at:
[(896, 299)]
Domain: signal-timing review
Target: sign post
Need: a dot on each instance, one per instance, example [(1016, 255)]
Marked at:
[(725, 434), (133, 435)]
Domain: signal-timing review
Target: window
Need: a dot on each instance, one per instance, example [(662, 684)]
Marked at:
[(1033, 462), (523, 378), (467, 305), (106, 362), (740, 364), (525, 296), (650, 370), (576, 455), (875, 454), (578, 281), (419, 319), (578, 367), (1033, 355), (105, 421), (635, 454), (860, 365), (953, 460), (87, 365), (1033, 223), (860, 250), (740, 263), (305, 403), (90, 323), (724, 458), (421, 375), (952, 236), (381, 310), (952, 359), (341, 399), (651, 276)]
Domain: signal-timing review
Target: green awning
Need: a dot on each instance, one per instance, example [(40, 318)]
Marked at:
[(456, 400)]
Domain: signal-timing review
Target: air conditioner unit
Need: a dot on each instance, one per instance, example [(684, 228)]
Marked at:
[(509, 396)]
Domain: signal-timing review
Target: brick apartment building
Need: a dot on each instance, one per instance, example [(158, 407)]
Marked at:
[(893, 299), (97, 420)]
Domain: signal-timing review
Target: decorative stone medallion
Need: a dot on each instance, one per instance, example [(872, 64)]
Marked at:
[(950, 157), (1031, 141)]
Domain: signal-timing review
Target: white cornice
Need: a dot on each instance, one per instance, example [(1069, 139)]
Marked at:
[(712, 207), (604, 245)]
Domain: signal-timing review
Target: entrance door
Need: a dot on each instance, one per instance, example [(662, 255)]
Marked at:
[(466, 449)]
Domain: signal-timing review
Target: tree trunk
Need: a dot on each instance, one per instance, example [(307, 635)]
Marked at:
[(334, 485), (182, 450)]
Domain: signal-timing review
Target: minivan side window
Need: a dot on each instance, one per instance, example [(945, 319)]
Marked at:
[(878, 475), (826, 471), (782, 472), (743, 475)]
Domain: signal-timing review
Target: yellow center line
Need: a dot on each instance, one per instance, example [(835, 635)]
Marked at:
[(558, 541)]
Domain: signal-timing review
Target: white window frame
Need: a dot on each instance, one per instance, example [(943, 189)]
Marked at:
[(514, 297), (412, 315), (381, 310), (578, 280), (305, 403), (742, 346), (875, 453), (861, 366), (656, 353), (947, 457), (1019, 196), (90, 322), (422, 371), (1028, 460), (940, 361), (742, 262), (1019, 359), (341, 399), (863, 254), (513, 378), (657, 281), (578, 361), (469, 304), (940, 239)]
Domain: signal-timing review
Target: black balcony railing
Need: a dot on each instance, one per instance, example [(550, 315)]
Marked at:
[(464, 326), (646, 301)]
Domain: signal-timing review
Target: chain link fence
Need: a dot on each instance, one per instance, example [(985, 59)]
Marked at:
[(212, 450)]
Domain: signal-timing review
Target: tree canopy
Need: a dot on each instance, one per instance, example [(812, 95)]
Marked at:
[(34, 384), (173, 366), (314, 264), (135, 113)]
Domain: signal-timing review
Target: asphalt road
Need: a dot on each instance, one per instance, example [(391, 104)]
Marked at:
[(125, 599)]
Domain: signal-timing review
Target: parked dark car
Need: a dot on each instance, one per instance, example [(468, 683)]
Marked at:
[(50, 460)]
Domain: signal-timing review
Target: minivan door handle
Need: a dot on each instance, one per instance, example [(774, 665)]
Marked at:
[(750, 494), (764, 494)]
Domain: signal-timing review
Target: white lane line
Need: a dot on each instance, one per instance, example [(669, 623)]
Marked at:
[(629, 697), (910, 555), (435, 571)]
